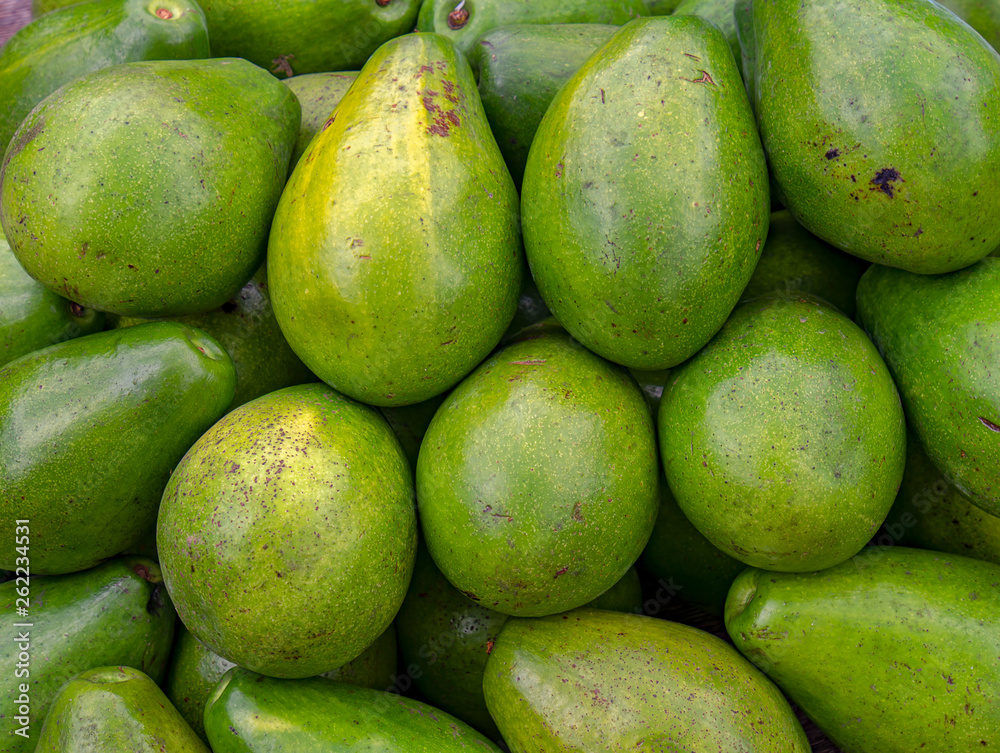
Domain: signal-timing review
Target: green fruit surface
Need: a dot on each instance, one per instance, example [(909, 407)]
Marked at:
[(520, 68), (31, 317), (287, 533), (392, 287), (253, 714), (592, 680), (115, 613), (892, 651), (318, 95), (290, 37), (720, 13), (537, 478), (783, 440), (115, 710), (941, 340), (90, 430), (655, 7), (981, 15), (881, 122), (147, 189), (645, 196), (67, 44)]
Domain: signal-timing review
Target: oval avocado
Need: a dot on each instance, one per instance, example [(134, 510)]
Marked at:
[(318, 95)]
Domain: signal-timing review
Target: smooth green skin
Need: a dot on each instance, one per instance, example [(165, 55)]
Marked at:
[(115, 613), (71, 42), (252, 714), (245, 326), (318, 94), (794, 261), (743, 20), (287, 533), (623, 596), (685, 562), (31, 317), (485, 15), (520, 69), (409, 423), (940, 337), (593, 680), (90, 430), (157, 183), (644, 213), (115, 710), (290, 37), (393, 286), (981, 15), (892, 651), (537, 478), (879, 118), (195, 671), (661, 7), (930, 514), (720, 13), (784, 441)]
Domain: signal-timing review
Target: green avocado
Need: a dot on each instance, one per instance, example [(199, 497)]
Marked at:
[(720, 13), (395, 254), (90, 430), (520, 68), (892, 651), (115, 710), (248, 713), (878, 118), (318, 95), (592, 680), (115, 613), (298, 504), (127, 189), (31, 317), (940, 337), (784, 440), (645, 196), (245, 326), (71, 42), (537, 478), (291, 37), (465, 21), (981, 15)]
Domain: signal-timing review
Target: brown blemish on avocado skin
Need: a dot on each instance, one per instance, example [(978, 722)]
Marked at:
[(885, 179)]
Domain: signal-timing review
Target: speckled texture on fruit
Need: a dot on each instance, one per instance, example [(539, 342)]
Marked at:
[(318, 95), (287, 533), (537, 478), (592, 680), (784, 440), (893, 651)]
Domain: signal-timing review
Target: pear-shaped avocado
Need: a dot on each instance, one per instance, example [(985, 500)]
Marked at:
[(318, 95), (115, 710), (90, 430), (940, 337), (892, 651), (879, 118), (592, 680), (71, 42), (299, 503), (537, 478), (31, 317), (127, 189), (115, 613), (645, 196), (395, 256), (783, 440), (250, 713)]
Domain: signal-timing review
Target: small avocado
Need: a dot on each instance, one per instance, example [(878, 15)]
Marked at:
[(318, 95)]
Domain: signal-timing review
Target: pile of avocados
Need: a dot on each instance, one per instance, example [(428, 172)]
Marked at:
[(481, 375)]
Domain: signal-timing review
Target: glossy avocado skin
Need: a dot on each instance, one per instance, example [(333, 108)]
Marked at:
[(645, 196), (31, 317), (318, 95), (940, 337), (520, 68), (591, 680), (918, 631), (115, 710), (69, 43), (783, 441), (127, 190), (117, 613), (90, 430), (878, 122), (392, 288), (248, 712)]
